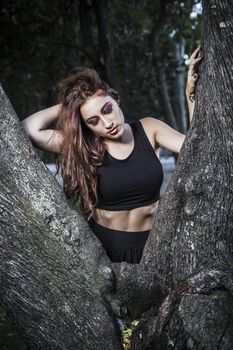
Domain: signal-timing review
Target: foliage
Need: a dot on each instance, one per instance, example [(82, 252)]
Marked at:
[(127, 333), (40, 47), (9, 339)]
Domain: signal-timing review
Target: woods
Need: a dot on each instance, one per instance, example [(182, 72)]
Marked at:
[(42, 46), (57, 284)]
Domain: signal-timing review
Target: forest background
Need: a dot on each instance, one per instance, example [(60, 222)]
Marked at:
[(141, 48)]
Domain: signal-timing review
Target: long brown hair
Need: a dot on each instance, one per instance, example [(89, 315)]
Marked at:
[(82, 150)]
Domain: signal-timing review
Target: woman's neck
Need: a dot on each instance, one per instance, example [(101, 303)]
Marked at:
[(124, 139)]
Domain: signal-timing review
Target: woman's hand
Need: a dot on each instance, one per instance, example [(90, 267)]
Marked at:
[(195, 60)]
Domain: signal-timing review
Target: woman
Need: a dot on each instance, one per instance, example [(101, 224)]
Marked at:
[(110, 166)]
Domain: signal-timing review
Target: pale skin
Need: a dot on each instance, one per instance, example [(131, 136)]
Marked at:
[(101, 113)]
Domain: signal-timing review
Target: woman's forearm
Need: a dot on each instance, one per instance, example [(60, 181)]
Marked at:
[(192, 77), (41, 120), (191, 104)]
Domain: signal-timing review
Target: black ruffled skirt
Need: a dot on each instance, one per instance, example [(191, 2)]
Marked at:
[(120, 245)]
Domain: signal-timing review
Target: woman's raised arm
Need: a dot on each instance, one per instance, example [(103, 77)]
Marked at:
[(36, 125), (192, 77)]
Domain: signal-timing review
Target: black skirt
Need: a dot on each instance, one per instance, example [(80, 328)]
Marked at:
[(120, 245)]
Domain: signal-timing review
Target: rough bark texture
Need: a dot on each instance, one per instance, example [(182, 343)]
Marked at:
[(54, 275), (100, 55), (105, 54), (190, 249), (56, 282), (166, 98)]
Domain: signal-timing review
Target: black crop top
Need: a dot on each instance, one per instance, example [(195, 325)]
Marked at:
[(132, 182)]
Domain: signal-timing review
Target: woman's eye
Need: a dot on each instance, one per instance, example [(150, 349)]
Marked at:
[(93, 122), (108, 110)]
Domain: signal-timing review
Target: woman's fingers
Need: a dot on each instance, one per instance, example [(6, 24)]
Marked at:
[(196, 52), (196, 60)]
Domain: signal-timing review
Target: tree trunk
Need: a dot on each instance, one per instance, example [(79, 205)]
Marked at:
[(100, 55), (179, 107), (54, 275), (88, 45), (156, 43), (57, 284), (170, 116), (105, 54), (190, 250)]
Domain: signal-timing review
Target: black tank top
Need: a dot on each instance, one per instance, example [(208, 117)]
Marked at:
[(132, 182)]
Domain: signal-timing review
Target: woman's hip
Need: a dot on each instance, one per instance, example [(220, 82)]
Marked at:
[(120, 245)]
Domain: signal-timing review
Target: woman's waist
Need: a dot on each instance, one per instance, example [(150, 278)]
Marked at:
[(137, 219)]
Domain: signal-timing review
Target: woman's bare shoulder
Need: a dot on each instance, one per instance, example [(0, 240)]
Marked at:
[(163, 134), (148, 121)]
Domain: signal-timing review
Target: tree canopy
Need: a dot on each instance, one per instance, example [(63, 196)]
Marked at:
[(42, 42)]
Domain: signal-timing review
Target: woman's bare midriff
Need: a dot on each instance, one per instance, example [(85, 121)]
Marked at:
[(134, 220)]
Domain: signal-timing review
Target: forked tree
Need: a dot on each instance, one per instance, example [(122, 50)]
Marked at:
[(57, 284)]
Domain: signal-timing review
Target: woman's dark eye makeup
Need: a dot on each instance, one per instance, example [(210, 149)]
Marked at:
[(93, 121), (106, 109)]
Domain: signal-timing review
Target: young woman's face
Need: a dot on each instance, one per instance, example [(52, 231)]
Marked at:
[(102, 114)]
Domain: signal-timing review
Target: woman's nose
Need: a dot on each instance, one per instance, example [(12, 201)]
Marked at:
[(107, 122)]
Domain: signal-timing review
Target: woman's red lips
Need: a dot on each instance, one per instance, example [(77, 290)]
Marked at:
[(113, 131)]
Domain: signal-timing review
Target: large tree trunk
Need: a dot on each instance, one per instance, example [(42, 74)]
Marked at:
[(105, 54), (54, 275), (190, 250), (170, 116), (57, 284), (101, 57)]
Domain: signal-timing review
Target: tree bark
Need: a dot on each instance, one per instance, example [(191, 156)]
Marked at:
[(190, 250), (105, 54), (57, 284), (170, 116), (100, 55), (88, 46), (179, 108), (54, 276)]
